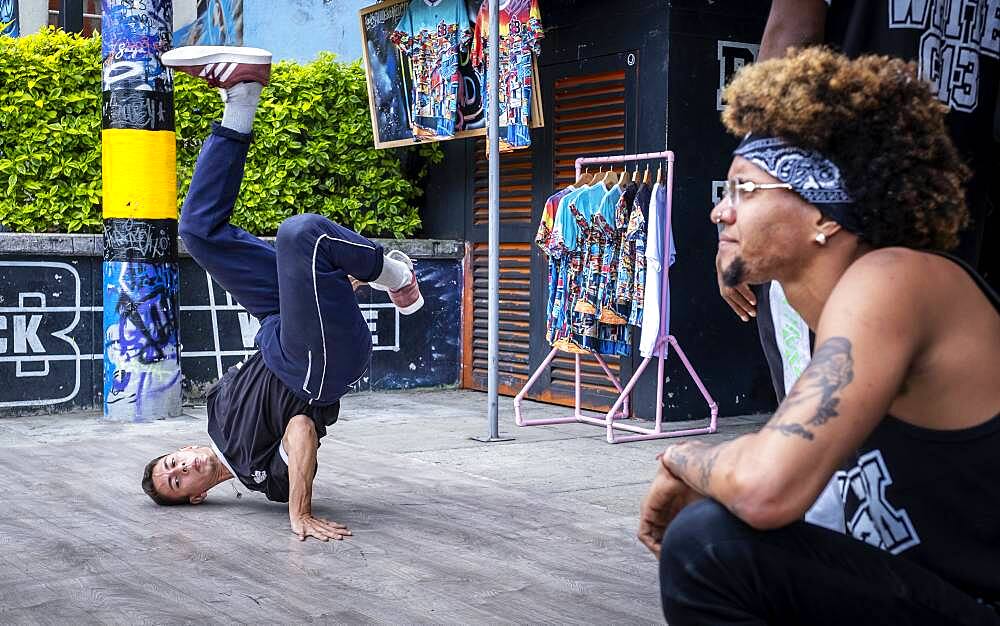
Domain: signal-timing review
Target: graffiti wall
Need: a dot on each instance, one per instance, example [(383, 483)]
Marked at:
[(53, 326), (212, 23), (134, 33), (139, 281), (9, 18), (142, 352)]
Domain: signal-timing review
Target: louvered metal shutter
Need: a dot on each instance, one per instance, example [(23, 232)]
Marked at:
[(586, 112), (516, 200)]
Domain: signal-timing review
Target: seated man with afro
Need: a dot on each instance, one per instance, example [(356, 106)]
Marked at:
[(848, 191)]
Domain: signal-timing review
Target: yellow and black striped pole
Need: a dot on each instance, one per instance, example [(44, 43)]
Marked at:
[(142, 366)]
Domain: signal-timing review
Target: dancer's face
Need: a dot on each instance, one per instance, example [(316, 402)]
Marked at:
[(187, 474), (765, 234)]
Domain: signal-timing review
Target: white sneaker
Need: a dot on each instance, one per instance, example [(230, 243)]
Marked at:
[(407, 298)]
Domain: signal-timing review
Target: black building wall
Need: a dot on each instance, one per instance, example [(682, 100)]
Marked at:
[(682, 53)]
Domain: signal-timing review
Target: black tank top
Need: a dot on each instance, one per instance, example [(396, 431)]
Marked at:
[(932, 496)]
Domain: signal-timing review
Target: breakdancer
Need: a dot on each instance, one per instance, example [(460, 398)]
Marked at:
[(267, 415)]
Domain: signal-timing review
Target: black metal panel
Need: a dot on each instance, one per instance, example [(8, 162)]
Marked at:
[(71, 15), (682, 51), (708, 41)]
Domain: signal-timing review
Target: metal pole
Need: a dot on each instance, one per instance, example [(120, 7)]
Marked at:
[(71, 15), (494, 218), (142, 373)]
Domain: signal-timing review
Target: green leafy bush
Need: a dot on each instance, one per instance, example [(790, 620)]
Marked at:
[(50, 133), (312, 149)]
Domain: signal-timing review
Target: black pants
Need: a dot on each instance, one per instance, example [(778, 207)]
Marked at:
[(717, 570)]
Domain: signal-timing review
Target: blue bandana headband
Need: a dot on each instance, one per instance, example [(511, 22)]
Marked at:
[(811, 175)]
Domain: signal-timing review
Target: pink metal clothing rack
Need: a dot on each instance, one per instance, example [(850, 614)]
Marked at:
[(620, 410)]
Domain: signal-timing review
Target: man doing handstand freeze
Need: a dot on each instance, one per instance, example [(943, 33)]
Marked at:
[(267, 415)]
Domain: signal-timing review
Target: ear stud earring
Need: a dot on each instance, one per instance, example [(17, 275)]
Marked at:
[(821, 239)]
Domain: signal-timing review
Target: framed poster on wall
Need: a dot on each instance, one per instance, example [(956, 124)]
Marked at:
[(390, 81)]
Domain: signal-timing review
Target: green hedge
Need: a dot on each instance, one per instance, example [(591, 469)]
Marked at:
[(312, 150)]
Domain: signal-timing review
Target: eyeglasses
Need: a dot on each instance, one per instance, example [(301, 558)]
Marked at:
[(734, 186)]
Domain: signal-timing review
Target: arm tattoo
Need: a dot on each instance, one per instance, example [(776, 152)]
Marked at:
[(707, 467), (831, 369), (792, 429), (678, 459), (693, 462)]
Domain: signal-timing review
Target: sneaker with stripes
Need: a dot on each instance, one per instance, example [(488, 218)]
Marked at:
[(221, 66)]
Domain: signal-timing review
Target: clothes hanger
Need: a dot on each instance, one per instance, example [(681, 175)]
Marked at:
[(623, 181), (635, 174), (610, 179), (585, 178), (645, 175), (659, 173)]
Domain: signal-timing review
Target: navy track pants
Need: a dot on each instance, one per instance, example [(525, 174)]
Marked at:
[(313, 335)]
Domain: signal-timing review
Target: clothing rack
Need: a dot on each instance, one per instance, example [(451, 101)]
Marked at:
[(612, 420)]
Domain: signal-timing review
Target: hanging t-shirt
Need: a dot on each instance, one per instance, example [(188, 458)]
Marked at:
[(565, 232), (543, 240), (520, 36), (632, 256), (605, 338), (609, 280), (601, 234), (583, 325), (547, 223), (651, 313), (429, 34)]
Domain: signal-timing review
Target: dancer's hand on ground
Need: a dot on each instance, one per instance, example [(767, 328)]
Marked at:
[(319, 528), (740, 298), (667, 496)]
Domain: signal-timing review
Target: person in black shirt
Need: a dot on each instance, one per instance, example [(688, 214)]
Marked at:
[(267, 415), (844, 187), (957, 49)]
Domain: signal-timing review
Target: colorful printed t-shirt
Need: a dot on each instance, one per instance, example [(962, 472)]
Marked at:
[(631, 279), (581, 232), (429, 34), (543, 240), (520, 34)]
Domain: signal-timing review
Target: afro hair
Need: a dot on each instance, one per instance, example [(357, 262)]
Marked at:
[(878, 123)]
